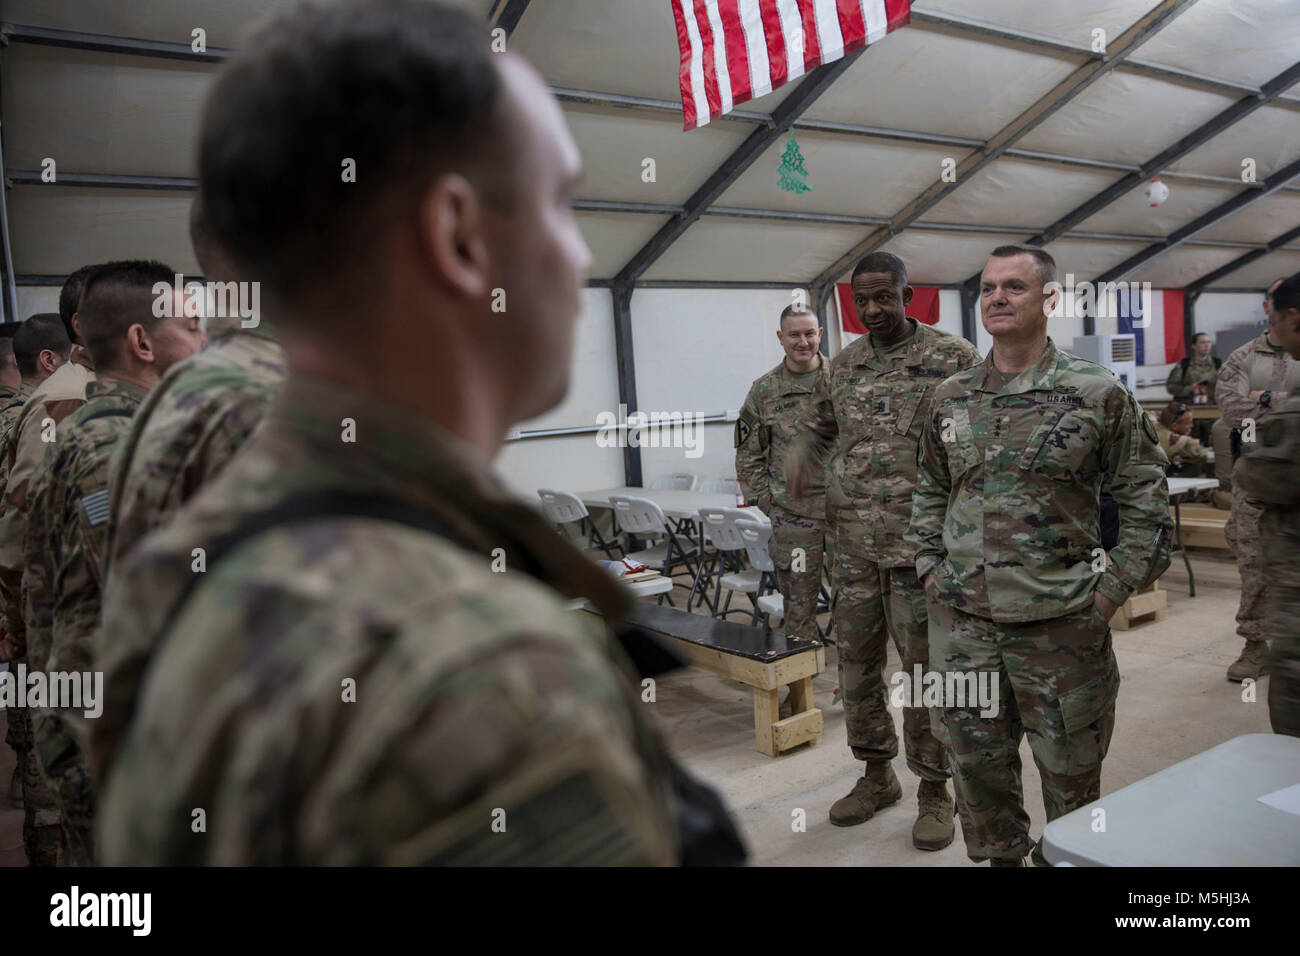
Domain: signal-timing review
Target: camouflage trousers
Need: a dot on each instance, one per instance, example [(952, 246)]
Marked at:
[(871, 604), (42, 833), (798, 575), (63, 767), (1057, 681), (1280, 551), (1242, 532)]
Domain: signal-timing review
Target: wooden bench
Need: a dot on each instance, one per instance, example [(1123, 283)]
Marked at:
[(765, 661), (1142, 607), (1203, 526)]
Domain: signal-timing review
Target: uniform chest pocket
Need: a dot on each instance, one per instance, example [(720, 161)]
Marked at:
[(1062, 446), (955, 432)]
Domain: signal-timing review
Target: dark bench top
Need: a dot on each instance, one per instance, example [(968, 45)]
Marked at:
[(742, 640)]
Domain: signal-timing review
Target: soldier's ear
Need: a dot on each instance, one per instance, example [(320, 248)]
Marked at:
[(138, 344), (907, 294)]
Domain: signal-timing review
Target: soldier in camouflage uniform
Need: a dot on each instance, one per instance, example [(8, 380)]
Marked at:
[(10, 379), (41, 345), (769, 422), (1199, 368), (68, 514), (57, 397), (1256, 379), (867, 420), (320, 663), (196, 418), (1269, 472), (1006, 531)]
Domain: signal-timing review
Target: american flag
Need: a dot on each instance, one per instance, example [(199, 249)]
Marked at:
[(734, 51)]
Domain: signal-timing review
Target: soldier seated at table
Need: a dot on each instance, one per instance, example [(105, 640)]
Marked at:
[(1188, 457)]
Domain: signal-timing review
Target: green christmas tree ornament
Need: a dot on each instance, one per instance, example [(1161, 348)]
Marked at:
[(793, 176)]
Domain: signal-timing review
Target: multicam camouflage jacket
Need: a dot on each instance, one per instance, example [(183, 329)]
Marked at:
[(67, 520), (344, 689), (1006, 512), (867, 417), (1182, 381), (769, 423), (50, 403), (191, 424), (1255, 367)]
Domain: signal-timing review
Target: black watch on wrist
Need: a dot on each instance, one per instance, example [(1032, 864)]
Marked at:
[(1266, 399)]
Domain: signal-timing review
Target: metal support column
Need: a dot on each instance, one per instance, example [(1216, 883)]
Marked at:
[(11, 290), (969, 313), (626, 374)]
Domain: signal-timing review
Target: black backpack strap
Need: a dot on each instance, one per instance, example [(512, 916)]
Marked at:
[(1184, 363)]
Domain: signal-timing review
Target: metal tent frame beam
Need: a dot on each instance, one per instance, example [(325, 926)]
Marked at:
[(812, 86), (1193, 140), (1229, 268), (506, 14), (1046, 106), (1216, 215)]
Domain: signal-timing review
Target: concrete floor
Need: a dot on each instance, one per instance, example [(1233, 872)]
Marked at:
[(1173, 703)]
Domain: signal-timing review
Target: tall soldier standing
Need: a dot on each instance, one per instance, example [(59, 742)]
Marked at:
[(769, 422), (1269, 472), (1256, 379), (867, 418), (1006, 532)]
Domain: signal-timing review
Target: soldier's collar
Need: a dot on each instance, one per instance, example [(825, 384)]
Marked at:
[(791, 383), (1042, 377)]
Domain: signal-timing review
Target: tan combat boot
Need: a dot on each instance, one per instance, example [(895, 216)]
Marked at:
[(933, 829), (1252, 663), (878, 789)]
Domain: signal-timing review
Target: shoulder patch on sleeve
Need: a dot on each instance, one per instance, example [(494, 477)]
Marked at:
[(95, 505), (1147, 427), (744, 427)]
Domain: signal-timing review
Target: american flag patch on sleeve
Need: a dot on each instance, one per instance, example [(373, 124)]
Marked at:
[(95, 505)]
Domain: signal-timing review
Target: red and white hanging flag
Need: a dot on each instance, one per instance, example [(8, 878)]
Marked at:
[(734, 51)]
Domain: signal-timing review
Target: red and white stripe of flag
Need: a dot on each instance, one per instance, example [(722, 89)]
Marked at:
[(734, 51)]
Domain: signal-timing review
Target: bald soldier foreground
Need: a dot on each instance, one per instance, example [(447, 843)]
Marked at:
[(198, 416), (61, 394), (322, 665), (1255, 380), (867, 418), (768, 425), (1269, 472), (1006, 531), (131, 343)]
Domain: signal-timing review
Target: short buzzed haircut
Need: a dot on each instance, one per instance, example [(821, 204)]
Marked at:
[(117, 296), (400, 91), (70, 297), (1287, 295), (1199, 335), (1272, 288), (885, 262), (794, 308), (1044, 264), (42, 331)]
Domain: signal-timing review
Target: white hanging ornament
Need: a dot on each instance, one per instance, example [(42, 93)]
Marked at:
[(1156, 192)]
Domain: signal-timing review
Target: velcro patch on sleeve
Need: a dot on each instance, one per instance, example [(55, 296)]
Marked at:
[(95, 505)]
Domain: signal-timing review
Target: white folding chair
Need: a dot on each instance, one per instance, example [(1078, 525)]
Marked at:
[(760, 579), (563, 507), (681, 481), (757, 536), (720, 486), (642, 517)]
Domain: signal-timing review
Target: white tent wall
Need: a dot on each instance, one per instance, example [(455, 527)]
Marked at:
[(577, 462), (37, 298)]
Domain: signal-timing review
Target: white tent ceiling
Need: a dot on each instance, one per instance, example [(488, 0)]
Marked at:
[(873, 142)]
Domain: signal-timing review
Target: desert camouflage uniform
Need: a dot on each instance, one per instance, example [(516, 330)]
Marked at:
[(1256, 366), (868, 418), (1007, 518), (17, 734), (769, 423), (63, 587), (191, 424), (475, 696), (55, 399), (1182, 385), (1269, 471)]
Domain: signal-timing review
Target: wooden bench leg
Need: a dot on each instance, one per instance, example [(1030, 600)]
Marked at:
[(801, 701), (767, 711)]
